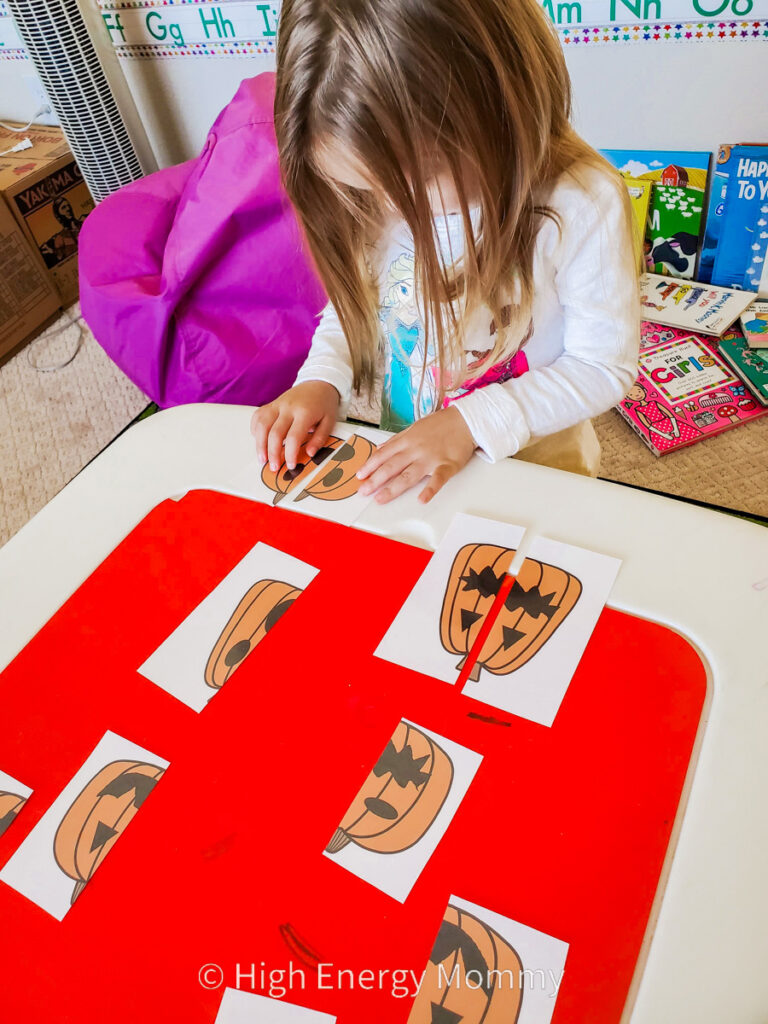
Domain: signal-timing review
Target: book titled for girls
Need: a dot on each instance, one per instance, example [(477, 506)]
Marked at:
[(684, 392)]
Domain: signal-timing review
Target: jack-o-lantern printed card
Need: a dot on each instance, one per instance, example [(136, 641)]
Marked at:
[(438, 625), (528, 658), (488, 969), (239, 1007), (200, 656), (13, 796), (62, 852), (261, 483), (405, 805), (332, 491)]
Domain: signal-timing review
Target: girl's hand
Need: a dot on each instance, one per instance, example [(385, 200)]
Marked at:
[(437, 446), (308, 410)]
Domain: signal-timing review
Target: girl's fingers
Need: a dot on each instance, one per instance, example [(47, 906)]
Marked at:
[(436, 481), (261, 424), (275, 440), (320, 435), (295, 438), (396, 464), (379, 457), (401, 483)]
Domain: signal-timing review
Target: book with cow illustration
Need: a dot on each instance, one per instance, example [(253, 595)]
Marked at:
[(691, 305), (675, 216), (684, 392)]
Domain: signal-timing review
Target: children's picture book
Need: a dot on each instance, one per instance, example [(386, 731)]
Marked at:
[(691, 306), (678, 189), (742, 242), (754, 324), (640, 198), (684, 391), (718, 188), (751, 364)]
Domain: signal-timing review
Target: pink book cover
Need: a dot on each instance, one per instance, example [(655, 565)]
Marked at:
[(684, 391)]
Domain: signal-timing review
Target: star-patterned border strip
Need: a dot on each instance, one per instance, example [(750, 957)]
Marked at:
[(666, 32)]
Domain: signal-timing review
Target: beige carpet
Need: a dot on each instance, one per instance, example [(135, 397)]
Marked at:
[(52, 424), (730, 470)]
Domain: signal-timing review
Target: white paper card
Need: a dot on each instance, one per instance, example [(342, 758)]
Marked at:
[(527, 662), (438, 624), (213, 641), (331, 491), (521, 984), (403, 809), (13, 796), (80, 827), (239, 1007)]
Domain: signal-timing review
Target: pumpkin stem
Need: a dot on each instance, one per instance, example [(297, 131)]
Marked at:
[(474, 675), (338, 842), (462, 663), (77, 890), (278, 498), (300, 497)]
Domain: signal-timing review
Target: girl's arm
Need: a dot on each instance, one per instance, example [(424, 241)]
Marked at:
[(329, 358), (596, 284)]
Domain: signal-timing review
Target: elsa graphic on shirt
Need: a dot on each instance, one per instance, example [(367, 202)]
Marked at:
[(405, 396)]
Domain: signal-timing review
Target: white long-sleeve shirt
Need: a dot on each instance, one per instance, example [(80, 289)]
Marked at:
[(582, 345)]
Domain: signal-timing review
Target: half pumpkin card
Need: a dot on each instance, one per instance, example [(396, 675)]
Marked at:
[(239, 1007), (437, 627), (13, 796), (61, 854), (323, 485), (539, 635), (403, 809), (488, 969), (213, 641)]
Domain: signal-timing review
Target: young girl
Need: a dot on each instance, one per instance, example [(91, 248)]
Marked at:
[(453, 213)]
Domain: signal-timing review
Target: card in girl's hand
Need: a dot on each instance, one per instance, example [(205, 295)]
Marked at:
[(403, 809), (261, 483), (61, 854), (539, 635), (214, 640), (238, 1007), (487, 967), (439, 623), (13, 796)]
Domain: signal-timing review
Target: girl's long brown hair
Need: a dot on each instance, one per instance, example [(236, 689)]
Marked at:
[(476, 88)]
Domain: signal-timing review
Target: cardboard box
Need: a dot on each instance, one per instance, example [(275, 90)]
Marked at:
[(28, 299), (45, 191)]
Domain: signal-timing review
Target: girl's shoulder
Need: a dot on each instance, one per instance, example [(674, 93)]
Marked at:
[(587, 188)]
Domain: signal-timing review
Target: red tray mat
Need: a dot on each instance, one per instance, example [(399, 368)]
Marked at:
[(564, 829)]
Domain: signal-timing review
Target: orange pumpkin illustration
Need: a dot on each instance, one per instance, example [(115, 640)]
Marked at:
[(10, 805), (473, 976), (339, 479), (476, 575), (284, 480), (541, 598), (401, 797), (261, 608), (99, 816)]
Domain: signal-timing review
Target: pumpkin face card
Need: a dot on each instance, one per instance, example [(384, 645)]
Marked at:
[(238, 1007), (488, 969), (403, 809), (61, 854), (324, 485), (214, 640), (539, 635), (439, 623), (13, 796)]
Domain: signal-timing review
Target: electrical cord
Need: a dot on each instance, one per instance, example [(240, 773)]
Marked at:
[(49, 335), (45, 109)]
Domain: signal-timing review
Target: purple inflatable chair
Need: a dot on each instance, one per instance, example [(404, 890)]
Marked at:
[(196, 280)]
